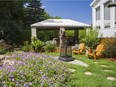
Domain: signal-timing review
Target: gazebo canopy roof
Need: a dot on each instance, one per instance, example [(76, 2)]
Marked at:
[(57, 23)]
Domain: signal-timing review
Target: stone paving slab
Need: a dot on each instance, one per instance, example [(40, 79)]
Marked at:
[(72, 70), (88, 73), (19, 52), (76, 62), (111, 78), (107, 70), (1, 56), (104, 65)]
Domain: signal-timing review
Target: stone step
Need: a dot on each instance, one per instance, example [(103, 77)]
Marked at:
[(1, 57)]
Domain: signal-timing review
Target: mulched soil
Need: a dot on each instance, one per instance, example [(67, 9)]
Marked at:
[(111, 59)]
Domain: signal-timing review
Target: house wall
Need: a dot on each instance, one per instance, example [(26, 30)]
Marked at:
[(104, 31), (107, 33)]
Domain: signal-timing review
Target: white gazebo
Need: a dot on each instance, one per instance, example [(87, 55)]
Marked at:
[(58, 24)]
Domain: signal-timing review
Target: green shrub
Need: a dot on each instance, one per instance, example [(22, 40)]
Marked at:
[(26, 47), (69, 33), (2, 51), (37, 45), (50, 46), (91, 39), (82, 33), (4, 47), (110, 48), (25, 35), (47, 35)]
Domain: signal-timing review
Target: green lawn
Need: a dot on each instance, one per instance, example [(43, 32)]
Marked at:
[(98, 77)]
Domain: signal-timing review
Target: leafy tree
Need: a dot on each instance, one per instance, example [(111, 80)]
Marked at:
[(11, 13), (46, 15), (16, 16), (57, 17)]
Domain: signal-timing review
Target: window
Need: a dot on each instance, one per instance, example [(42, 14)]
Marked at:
[(106, 15), (98, 17), (115, 16), (98, 13)]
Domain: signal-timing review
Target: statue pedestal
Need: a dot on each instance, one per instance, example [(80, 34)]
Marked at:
[(66, 53), (66, 59)]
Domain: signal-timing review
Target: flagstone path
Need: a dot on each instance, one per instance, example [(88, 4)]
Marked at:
[(1, 57), (107, 70), (76, 62), (104, 65), (72, 70), (88, 73), (111, 78)]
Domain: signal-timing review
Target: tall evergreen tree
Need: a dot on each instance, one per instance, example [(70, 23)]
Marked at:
[(33, 12)]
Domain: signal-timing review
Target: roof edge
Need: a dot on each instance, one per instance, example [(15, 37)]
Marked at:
[(94, 2)]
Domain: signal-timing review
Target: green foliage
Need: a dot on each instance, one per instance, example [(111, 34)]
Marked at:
[(34, 70), (33, 12), (37, 45), (11, 13), (69, 33), (91, 38), (2, 51), (82, 34), (110, 48), (25, 35), (50, 46), (56, 17), (4, 47), (17, 16), (26, 47), (46, 15), (47, 35)]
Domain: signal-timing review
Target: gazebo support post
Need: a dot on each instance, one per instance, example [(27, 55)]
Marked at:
[(61, 29), (33, 32), (76, 36)]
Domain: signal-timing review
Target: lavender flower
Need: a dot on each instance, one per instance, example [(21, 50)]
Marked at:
[(30, 83), (4, 85), (1, 68), (30, 66), (17, 83), (12, 79), (21, 80), (26, 85), (21, 71)]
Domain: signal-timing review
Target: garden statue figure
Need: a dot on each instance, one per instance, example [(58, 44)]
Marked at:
[(63, 38)]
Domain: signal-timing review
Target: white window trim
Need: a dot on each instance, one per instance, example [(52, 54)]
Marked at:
[(104, 15)]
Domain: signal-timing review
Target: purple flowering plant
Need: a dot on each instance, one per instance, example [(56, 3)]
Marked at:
[(29, 69)]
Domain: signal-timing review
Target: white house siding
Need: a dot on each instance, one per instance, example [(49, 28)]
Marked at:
[(106, 22), (107, 33)]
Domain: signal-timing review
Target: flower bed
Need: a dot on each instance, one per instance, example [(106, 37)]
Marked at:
[(34, 70)]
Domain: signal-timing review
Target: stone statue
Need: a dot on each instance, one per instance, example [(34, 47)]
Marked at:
[(63, 38)]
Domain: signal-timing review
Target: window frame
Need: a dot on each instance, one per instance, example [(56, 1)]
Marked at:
[(105, 18)]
